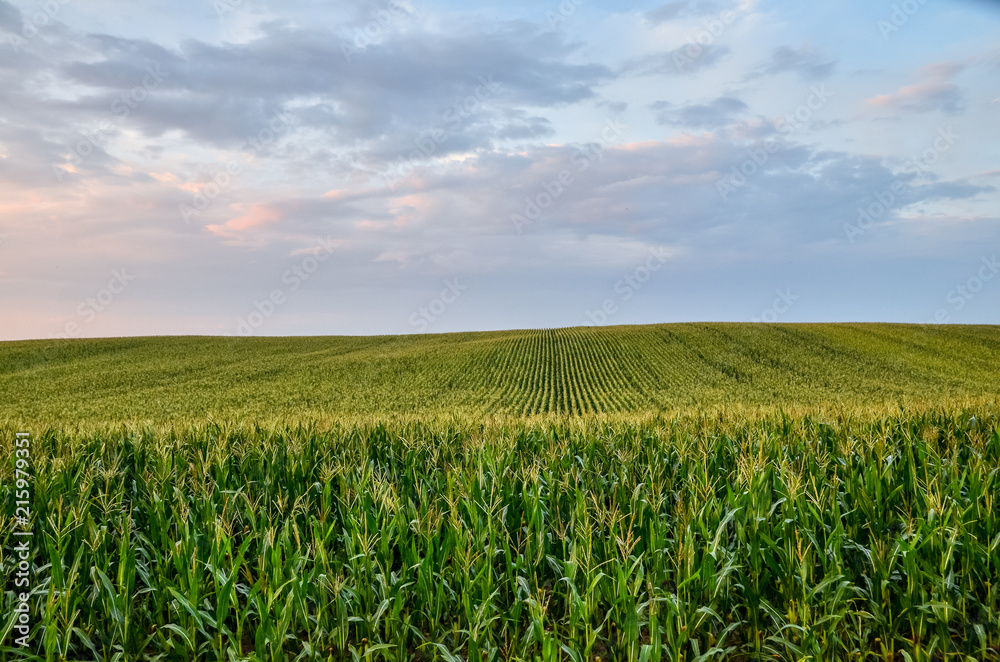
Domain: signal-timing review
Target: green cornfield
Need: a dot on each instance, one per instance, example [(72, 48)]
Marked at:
[(678, 492), (580, 372)]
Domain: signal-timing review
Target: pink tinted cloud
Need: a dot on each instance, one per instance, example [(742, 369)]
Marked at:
[(935, 91), (256, 216)]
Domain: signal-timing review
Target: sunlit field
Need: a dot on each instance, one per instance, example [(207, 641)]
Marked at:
[(673, 492), (635, 370)]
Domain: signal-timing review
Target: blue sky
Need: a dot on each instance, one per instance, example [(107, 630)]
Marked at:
[(358, 167)]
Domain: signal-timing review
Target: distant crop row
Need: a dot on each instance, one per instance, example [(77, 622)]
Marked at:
[(567, 371), (779, 539), (577, 372), (633, 369)]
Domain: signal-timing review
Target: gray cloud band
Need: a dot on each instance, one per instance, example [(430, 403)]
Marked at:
[(121, 108), (223, 178)]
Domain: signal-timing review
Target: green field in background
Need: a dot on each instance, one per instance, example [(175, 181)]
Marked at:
[(578, 371)]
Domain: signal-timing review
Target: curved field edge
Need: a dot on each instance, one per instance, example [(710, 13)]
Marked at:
[(580, 372), (781, 537)]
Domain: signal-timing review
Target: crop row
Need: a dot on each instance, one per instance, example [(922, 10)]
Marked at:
[(579, 372)]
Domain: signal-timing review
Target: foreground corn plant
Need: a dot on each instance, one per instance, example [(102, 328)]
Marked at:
[(656, 540)]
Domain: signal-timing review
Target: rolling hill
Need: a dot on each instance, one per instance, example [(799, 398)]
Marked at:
[(575, 371)]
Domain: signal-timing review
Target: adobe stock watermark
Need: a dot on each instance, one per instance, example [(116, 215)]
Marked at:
[(554, 188), (435, 308), (566, 8), (372, 31), (87, 310), (92, 306), (886, 199), (293, 277), (223, 7), (32, 22), (427, 142), (714, 28), (757, 157), (781, 305), (962, 294), (23, 553), (121, 107), (899, 17), (628, 285), (223, 177)]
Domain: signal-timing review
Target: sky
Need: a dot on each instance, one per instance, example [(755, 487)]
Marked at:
[(242, 167)]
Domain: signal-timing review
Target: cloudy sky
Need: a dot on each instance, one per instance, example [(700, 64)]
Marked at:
[(355, 167)]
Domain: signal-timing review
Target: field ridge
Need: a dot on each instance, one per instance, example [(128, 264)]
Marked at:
[(579, 371)]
